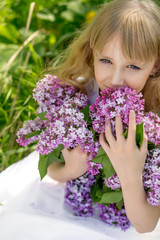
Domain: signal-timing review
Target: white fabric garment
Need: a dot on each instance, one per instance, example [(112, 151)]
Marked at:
[(35, 210)]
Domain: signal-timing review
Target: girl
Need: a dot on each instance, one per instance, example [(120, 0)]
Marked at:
[(121, 47)]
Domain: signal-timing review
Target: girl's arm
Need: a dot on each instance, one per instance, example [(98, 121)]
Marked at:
[(128, 161), (75, 165)]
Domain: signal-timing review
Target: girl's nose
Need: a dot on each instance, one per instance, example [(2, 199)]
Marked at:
[(117, 79)]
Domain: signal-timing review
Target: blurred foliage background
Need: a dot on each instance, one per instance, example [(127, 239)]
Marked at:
[(32, 34)]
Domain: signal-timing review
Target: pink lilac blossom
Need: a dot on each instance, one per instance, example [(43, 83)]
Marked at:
[(51, 92), (112, 102), (152, 127)]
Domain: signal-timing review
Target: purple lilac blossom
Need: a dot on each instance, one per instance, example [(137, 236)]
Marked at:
[(113, 216), (77, 195), (112, 182), (67, 126), (31, 126), (151, 176)]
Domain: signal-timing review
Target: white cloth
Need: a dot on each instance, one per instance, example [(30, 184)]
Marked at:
[(35, 210)]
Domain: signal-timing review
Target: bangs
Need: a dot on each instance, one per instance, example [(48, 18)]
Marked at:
[(140, 39)]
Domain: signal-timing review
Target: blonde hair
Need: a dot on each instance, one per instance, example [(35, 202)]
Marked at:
[(137, 22)]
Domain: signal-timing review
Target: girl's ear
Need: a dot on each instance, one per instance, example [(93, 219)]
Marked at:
[(155, 69)]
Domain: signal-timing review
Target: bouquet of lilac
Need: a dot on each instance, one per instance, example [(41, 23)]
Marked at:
[(105, 189), (65, 120), (59, 123), (119, 102)]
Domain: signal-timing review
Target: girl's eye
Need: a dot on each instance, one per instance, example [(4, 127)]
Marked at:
[(105, 60), (134, 67)]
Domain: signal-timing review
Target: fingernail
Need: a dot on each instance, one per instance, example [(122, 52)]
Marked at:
[(132, 112)]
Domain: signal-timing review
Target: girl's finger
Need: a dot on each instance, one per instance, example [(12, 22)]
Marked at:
[(119, 128), (132, 128), (108, 133), (145, 142), (103, 142)]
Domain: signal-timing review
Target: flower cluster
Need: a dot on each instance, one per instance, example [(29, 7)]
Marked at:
[(112, 102), (113, 216), (151, 176), (31, 126), (63, 124), (77, 195), (67, 126), (152, 127), (51, 92)]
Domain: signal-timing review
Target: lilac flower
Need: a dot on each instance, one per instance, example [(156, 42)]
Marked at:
[(152, 127), (151, 177), (113, 216), (51, 92), (67, 126), (77, 195), (31, 126), (112, 102), (112, 182)]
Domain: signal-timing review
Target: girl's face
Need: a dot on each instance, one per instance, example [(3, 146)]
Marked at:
[(112, 69)]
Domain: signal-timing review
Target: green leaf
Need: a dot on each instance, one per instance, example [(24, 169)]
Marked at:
[(100, 155), (85, 111), (95, 192), (151, 145), (33, 134), (119, 204), (42, 165), (139, 135), (107, 167), (42, 115), (111, 197), (46, 160), (8, 33)]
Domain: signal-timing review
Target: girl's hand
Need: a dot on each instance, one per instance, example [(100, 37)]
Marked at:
[(127, 159), (75, 161)]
